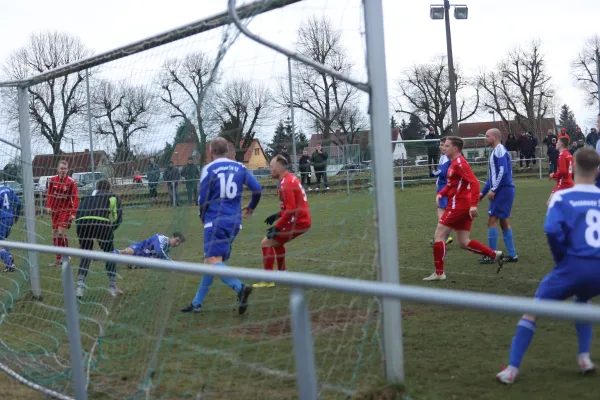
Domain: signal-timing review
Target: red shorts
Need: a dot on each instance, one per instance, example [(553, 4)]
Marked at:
[(61, 219), (459, 220), (290, 232)]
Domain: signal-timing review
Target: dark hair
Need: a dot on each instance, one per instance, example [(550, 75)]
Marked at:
[(170, 161), (564, 141), (587, 162), (218, 146), (443, 139), (456, 142), (281, 160), (63, 162), (179, 236), (190, 158), (103, 184)]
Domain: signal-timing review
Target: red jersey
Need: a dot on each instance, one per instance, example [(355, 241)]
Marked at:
[(62, 195), (564, 171), (294, 205), (462, 189)]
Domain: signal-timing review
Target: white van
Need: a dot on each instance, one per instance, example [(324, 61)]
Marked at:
[(42, 184)]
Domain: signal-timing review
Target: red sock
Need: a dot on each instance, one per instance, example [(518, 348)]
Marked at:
[(268, 258), (59, 243), (280, 256), (480, 248), (439, 253)]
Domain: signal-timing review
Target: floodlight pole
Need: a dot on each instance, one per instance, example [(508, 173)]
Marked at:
[(451, 76)]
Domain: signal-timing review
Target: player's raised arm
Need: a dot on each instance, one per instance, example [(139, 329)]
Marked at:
[(556, 228)]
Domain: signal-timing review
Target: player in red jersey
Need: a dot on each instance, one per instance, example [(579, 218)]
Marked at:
[(61, 201), (292, 221), (564, 170), (462, 191)]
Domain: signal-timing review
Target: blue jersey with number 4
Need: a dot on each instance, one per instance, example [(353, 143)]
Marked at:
[(10, 204), (220, 197), (573, 224)]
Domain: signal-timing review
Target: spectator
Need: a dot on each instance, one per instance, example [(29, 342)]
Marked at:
[(137, 178), (319, 162), (433, 154), (304, 167), (578, 136), (563, 133), (191, 174), (153, 175), (574, 147), (532, 147), (592, 138), (172, 177), (550, 142), (512, 145), (524, 149), (286, 155)]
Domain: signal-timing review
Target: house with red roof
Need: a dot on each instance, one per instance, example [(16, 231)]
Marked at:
[(45, 164), (254, 157)]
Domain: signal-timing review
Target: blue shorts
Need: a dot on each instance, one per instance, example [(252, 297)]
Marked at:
[(443, 200), (5, 226), (219, 240), (502, 204), (140, 250), (578, 278)]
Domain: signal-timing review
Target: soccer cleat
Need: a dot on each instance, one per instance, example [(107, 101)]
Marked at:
[(192, 308), (510, 259), (500, 260), (431, 241), (435, 277), (486, 260), (115, 291), (243, 298), (507, 375), (449, 240), (9, 268), (79, 292), (585, 364)]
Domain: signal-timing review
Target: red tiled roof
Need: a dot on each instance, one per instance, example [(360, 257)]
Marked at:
[(338, 138), (473, 129), (183, 151), (45, 164)]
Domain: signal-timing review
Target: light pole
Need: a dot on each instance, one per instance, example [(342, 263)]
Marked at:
[(442, 11)]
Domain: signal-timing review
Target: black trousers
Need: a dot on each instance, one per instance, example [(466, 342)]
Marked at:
[(305, 176), (153, 191), (87, 232), (321, 175), (432, 159)]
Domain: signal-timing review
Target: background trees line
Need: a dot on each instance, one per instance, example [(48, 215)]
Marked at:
[(192, 90)]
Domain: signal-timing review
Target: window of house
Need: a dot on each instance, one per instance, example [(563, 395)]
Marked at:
[(256, 152)]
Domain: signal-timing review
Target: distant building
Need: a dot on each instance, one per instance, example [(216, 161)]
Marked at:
[(254, 157), (45, 164)]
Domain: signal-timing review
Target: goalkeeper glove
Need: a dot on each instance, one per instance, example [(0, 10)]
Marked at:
[(270, 220), (272, 232)]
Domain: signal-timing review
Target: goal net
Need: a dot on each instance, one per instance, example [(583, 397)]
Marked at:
[(144, 122)]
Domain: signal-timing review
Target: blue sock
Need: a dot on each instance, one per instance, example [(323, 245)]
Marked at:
[(6, 257), (521, 341), (233, 283), (509, 243), (205, 284), (584, 336), (493, 238)]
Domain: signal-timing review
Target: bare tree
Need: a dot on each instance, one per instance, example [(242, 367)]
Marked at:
[(425, 94), (583, 69), (122, 111), (519, 88), (241, 107), (53, 104), (186, 88), (318, 94)]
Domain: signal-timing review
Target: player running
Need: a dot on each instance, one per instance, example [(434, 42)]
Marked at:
[(500, 190), (221, 186), (573, 230), (156, 246), (292, 221), (564, 170), (462, 191), (441, 182), (62, 200), (10, 209)]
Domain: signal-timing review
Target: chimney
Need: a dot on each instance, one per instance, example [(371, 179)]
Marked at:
[(86, 151)]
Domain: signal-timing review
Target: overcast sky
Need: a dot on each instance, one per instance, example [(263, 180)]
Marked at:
[(411, 37)]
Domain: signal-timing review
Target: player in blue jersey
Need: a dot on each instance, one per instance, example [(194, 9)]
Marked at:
[(156, 246), (10, 209), (500, 190), (598, 148), (442, 180), (220, 201), (573, 230)]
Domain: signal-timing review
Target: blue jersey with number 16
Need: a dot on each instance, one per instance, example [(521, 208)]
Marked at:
[(221, 185), (573, 225)]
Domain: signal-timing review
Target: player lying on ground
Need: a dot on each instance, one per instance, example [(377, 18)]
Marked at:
[(62, 200), (220, 208), (500, 190), (442, 180), (292, 221), (97, 218), (462, 191), (156, 246), (573, 230), (564, 169), (10, 209)]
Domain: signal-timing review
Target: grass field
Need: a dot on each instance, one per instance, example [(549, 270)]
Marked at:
[(449, 353)]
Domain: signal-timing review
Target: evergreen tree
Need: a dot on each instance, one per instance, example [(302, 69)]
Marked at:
[(414, 129), (566, 119), (283, 137), (393, 123)]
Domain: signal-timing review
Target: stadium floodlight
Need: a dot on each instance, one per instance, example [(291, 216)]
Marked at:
[(461, 12), (436, 12)]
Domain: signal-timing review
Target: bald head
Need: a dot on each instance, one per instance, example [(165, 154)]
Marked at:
[(218, 147), (493, 137)]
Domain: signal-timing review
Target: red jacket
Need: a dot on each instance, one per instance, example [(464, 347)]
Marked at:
[(294, 204), (564, 171), (462, 189), (63, 195)]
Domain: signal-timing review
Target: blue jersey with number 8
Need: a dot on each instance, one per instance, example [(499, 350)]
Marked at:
[(573, 224), (220, 197)]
